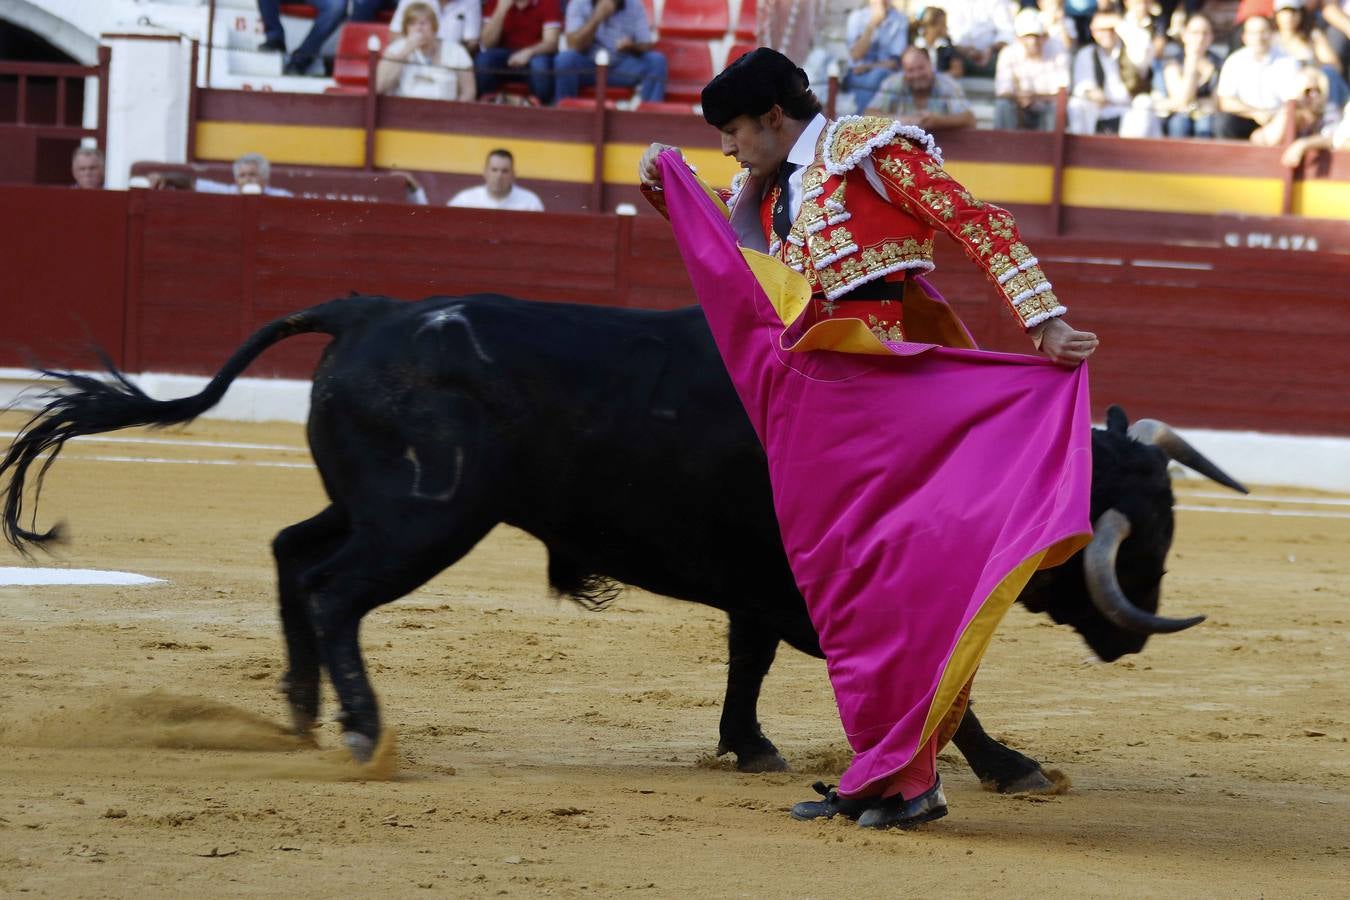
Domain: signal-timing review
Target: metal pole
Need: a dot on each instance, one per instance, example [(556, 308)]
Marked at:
[(193, 100), (1057, 153), (372, 97), (210, 39), (104, 67), (598, 133)]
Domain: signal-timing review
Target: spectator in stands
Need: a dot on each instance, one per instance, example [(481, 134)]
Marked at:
[(1298, 37), (1251, 82), (979, 29), (1059, 26), (1104, 80), (329, 14), (1327, 139), (931, 35), (499, 189), (462, 23), (1190, 80), (619, 27), (1136, 33), (1029, 74), (917, 95), (877, 33), (86, 167), (252, 175), (1309, 110), (1336, 17), (520, 38), (419, 63)]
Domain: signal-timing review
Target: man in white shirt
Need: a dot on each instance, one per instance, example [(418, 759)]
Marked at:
[(1029, 74), (1100, 95), (1252, 82), (499, 189)]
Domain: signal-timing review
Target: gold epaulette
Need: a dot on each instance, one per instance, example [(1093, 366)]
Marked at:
[(851, 139)]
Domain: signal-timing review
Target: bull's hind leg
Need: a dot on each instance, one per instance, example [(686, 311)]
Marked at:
[(378, 564), (752, 644), (996, 765), (298, 549)]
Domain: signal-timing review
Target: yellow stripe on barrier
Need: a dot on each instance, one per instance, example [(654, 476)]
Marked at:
[(1322, 199), (307, 145), (1171, 192), (466, 154), (1005, 182)]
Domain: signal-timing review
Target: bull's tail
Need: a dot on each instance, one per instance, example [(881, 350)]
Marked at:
[(84, 405)]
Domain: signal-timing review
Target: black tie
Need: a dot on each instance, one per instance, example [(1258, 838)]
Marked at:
[(782, 215)]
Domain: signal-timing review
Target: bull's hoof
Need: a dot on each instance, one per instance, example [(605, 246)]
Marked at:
[(1034, 782), (302, 722), (361, 747), (761, 762)]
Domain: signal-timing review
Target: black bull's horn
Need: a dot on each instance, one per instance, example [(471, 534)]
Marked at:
[(1161, 435), (1099, 563)]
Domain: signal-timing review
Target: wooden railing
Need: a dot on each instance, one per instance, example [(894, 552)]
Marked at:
[(63, 73)]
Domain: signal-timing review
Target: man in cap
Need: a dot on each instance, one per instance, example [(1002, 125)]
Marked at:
[(853, 205)]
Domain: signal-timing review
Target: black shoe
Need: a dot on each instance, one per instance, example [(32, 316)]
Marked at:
[(833, 805), (272, 47), (897, 812), (296, 66)]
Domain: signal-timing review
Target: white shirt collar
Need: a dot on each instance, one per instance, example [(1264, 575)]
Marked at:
[(803, 153)]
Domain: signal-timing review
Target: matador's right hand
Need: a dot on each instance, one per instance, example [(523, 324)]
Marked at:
[(647, 170)]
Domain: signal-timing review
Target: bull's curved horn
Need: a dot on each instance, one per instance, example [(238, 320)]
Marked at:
[(1161, 435), (1099, 562)]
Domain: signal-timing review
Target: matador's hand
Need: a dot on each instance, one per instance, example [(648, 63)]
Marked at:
[(1058, 340), (647, 170)]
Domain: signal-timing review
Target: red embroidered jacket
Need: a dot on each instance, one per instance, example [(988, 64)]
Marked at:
[(846, 234)]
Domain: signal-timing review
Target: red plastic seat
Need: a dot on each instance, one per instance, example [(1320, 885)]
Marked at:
[(747, 23), (738, 50), (689, 65), (612, 92), (351, 67), (694, 18), (305, 11)]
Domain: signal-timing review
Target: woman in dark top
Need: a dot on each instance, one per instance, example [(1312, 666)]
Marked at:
[(1190, 73)]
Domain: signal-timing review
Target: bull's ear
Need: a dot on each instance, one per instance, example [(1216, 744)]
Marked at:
[(1116, 420)]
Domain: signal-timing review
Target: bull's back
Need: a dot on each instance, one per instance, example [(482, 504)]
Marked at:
[(614, 435)]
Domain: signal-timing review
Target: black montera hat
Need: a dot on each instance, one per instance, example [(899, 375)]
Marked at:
[(751, 86)]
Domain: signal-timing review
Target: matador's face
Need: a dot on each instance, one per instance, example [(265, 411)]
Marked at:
[(755, 146)]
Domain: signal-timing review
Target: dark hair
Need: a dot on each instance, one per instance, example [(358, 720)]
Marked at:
[(500, 151), (754, 84)]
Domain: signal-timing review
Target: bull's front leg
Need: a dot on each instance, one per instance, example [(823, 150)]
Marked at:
[(996, 765), (752, 645)]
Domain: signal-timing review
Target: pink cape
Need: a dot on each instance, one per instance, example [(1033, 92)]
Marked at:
[(916, 489)]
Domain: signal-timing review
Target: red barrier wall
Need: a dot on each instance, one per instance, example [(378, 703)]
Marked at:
[(172, 282)]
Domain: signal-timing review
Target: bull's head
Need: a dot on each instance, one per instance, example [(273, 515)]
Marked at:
[(1109, 592)]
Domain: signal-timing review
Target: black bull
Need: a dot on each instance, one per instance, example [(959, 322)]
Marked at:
[(615, 438)]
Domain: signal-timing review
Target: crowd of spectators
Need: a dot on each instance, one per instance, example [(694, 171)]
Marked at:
[(1135, 68), (468, 49)]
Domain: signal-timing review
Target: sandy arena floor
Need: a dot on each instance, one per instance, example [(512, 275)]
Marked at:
[(542, 750)]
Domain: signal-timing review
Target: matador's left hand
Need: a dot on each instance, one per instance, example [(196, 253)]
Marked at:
[(1058, 340)]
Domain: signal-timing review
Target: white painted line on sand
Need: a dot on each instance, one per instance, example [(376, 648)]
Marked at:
[(178, 442), (257, 463), (1298, 513), (13, 575), (1259, 498)]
